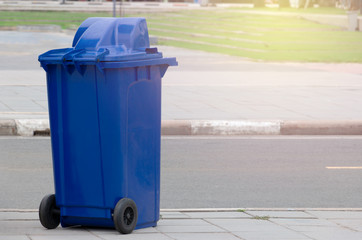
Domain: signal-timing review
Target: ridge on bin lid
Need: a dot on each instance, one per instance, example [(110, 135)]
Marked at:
[(120, 36), (125, 34)]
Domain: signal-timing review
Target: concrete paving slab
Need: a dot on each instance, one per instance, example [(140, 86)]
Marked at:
[(23, 78), (111, 232), (182, 222), (153, 236), (245, 225), (173, 215), (135, 236), (271, 236), (41, 237), (190, 229), (281, 214), (328, 233), (31, 227), (353, 224), (203, 236), (214, 215), (337, 214), (304, 222)]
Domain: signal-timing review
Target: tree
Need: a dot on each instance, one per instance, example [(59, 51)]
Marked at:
[(259, 3), (284, 3), (355, 5), (327, 3), (306, 3)]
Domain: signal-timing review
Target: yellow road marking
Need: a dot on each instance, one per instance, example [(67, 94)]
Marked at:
[(340, 167)]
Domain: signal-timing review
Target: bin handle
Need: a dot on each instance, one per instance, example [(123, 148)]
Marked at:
[(44, 64)]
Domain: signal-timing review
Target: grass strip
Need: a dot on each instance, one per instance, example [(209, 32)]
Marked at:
[(230, 31)]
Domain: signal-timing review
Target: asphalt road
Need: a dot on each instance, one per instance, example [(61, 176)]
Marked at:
[(202, 172)]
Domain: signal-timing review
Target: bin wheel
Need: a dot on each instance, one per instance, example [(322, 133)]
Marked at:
[(49, 214), (125, 215)]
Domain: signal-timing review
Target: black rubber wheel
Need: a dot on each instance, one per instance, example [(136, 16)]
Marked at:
[(125, 215), (49, 214)]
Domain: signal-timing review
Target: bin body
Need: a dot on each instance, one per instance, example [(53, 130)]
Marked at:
[(104, 98)]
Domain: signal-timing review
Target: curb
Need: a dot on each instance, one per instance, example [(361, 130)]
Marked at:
[(8, 127), (35, 127), (277, 127), (321, 128)]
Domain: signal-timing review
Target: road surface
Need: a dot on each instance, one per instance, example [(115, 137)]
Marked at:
[(203, 172)]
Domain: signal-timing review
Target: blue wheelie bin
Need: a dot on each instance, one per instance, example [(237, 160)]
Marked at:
[(104, 96)]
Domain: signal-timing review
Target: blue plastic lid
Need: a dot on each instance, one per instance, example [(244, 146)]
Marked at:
[(107, 40)]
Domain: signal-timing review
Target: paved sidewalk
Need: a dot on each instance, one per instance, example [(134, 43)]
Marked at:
[(205, 86), (207, 224)]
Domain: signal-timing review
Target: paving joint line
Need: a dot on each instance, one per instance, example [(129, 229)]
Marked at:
[(230, 232), (301, 233), (168, 236), (93, 234), (342, 226)]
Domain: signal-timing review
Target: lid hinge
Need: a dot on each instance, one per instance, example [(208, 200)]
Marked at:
[(69, 57), (100, 53)]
